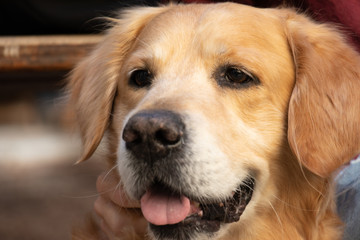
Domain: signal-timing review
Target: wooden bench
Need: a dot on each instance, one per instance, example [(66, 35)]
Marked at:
[(44, 53)]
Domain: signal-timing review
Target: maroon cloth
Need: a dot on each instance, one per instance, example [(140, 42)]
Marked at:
[(345, 13)]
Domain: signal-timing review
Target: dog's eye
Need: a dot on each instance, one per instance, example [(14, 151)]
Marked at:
[(141, 78), (234, 77)]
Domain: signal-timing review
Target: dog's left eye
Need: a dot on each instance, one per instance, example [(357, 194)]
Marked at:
[(235, 77), (141, 78)]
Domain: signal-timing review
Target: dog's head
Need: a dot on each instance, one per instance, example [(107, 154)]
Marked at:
[(204, 102)]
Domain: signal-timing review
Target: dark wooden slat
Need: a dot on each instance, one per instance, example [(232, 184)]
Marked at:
[(44, 52)]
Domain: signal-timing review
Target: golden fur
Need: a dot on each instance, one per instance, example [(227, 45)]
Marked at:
[(295, 128)]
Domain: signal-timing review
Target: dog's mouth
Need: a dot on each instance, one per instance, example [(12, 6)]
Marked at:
[(166, 209)]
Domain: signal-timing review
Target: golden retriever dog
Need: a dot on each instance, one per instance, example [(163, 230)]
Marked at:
[(225, 121)]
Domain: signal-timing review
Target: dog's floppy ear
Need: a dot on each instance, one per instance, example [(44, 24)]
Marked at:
[(93, 82), (324, 110)]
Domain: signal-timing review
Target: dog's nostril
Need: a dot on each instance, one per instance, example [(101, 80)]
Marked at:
[(130, 135), (168, 137)]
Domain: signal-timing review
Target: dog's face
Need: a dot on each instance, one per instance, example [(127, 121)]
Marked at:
[(207, 113), (199, 98)]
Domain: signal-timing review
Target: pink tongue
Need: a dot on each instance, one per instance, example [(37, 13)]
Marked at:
[(163, 208)]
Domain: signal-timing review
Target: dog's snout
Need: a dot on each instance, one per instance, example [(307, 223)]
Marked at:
[(154, 133)]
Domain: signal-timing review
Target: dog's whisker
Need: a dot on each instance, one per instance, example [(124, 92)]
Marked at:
[(296, 149), (278, 218), (308, 181), (249, 186), (82, 197), (109, 172), (293, 206), (118, 187)]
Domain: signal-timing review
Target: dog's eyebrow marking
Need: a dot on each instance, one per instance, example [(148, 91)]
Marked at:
[(222, 50)]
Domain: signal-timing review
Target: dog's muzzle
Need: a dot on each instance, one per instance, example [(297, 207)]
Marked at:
[(158, 142)]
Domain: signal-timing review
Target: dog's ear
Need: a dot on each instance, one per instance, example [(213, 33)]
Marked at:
[(324, 110), (93, 83)]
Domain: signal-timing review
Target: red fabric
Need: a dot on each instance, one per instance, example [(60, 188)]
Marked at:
[(248, 2), (345, 13)]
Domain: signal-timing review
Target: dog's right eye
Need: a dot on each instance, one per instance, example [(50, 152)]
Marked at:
[(141, 78)]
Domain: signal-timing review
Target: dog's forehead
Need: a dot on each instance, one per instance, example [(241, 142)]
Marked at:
[(210, 30)]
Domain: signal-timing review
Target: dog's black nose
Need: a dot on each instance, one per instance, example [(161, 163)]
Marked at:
[(154, 133)]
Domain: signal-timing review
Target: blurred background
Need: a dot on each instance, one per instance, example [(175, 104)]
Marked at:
[(42, 193)]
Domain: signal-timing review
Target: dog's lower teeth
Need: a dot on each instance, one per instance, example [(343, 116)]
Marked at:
[(200, 213)]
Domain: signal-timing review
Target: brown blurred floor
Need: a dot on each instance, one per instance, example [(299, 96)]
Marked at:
[(43, 199)]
